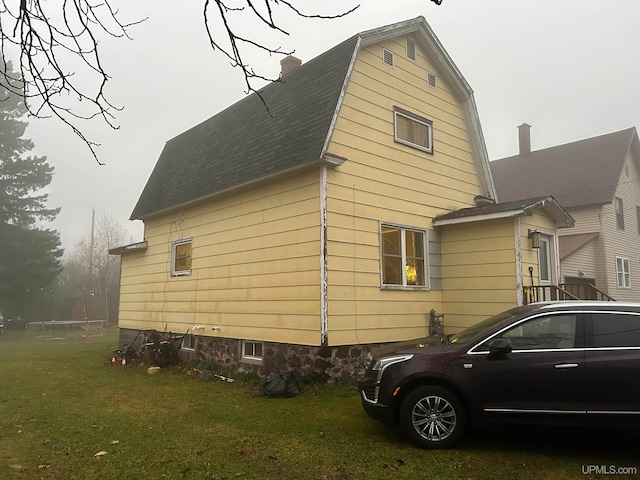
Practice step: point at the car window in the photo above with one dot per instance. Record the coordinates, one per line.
(616, 330)
(541, 333)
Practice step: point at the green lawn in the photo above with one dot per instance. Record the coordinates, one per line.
(62, 402)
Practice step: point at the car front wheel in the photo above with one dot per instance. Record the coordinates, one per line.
(432, 417)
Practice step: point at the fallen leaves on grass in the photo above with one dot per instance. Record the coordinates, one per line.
(101, 453)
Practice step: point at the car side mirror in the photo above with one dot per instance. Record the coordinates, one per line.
(499, 347)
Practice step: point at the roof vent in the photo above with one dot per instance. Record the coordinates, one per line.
(288, 64)
(431, 79)
(387, 57)
(411, 49)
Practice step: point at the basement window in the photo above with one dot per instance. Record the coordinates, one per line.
(188, 342)
(252, 350)
(403, 261)
(181, 258)
(413, 130)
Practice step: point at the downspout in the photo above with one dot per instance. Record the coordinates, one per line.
(324, 301)
(518, 246)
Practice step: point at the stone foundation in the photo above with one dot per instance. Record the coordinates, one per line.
(328, 364)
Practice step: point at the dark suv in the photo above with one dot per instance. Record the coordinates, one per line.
(574, 363)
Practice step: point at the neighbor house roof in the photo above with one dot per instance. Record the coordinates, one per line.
(516, 208)
(580, 173)
(245, 144)
(569, 244)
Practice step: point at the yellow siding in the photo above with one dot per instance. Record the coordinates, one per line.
(385, 181)
(479, 271)
(255, 268)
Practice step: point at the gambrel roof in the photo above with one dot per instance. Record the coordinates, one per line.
(581, 173)
(245, 144)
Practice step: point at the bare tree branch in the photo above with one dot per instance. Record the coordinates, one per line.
(48, 37)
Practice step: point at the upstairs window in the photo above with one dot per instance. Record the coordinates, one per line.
(403, 259)
(623, 276)
(619, 213)
(413, 130)
(181, 257)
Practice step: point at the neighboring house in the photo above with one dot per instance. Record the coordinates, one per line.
(597, 181)
(300, 238)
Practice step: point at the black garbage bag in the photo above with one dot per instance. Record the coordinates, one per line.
(281, 385)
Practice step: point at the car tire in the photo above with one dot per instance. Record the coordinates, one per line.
(433, 417)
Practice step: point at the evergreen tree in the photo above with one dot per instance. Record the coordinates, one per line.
(29, 256)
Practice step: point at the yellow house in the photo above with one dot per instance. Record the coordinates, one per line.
(301, 237)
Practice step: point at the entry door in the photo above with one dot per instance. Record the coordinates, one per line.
(546, 261)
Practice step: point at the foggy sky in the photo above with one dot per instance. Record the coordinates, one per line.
(569, 68)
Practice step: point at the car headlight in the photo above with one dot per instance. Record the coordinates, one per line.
(381, 364)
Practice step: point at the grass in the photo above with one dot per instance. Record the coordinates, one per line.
(62, 402)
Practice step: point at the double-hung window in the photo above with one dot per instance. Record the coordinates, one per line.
(181, 257)
(413, 130)
(403, 256)
(622, 272)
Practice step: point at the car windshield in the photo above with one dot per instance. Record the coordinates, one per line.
(480, 328)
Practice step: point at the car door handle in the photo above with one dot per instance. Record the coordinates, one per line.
(566, 365)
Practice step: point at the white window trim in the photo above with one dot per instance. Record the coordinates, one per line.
(425, 239)
(252, 357)
(174, 246)
(414, 118)
(625, 272)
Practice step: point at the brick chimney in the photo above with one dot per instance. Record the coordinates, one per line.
(288, 64)
(524, 138)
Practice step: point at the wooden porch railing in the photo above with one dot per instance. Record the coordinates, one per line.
(586, 291)
(542, 293)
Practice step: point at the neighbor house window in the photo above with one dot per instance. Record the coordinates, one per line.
(403, 258)
(622, 272)
(181, 257)
(252, 350)
(413, 130)
(638, 218)
(619, 213)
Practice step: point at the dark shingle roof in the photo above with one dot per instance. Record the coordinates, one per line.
(581, 173)
(244, 143)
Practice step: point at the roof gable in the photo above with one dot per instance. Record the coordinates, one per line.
(580, 173)
(243, 144)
